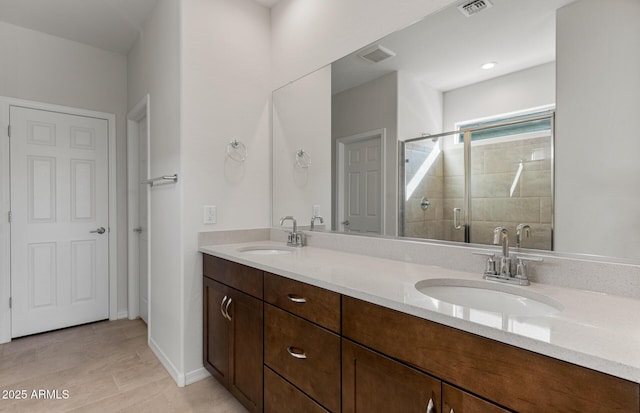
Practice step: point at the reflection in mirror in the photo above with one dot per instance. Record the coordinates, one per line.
(431, 82)
(417, 82)
(499, 171)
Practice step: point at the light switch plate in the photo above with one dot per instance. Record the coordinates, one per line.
(210, 214)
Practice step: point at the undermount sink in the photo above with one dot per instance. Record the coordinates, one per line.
(487, 296)
(266, 250)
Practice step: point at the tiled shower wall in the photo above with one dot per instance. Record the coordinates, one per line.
(494, 168)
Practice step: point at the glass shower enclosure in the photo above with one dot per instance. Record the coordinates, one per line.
(460, 185)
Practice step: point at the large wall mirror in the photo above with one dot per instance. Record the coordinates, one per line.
(517, 116)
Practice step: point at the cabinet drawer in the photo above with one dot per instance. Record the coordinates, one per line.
(282, 397)
(243, 278)
(517, 379)
(303, 353)
(312, 303)
(457, 401)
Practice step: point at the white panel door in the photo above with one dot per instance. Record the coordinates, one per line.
(59, 205)
(143, 224)
(363, 180)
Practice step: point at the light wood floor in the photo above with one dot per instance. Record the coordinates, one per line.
(105, 367)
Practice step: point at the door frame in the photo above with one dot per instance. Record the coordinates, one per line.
(340, 158)
(139, 112)
(5, 205)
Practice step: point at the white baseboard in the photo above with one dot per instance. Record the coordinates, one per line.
(123, 314)
(196, 375)
(168, 365)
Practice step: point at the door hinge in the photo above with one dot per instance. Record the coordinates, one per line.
(9, 130)
(9, 216)
(10, 302)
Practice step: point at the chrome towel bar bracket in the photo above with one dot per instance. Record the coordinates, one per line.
(172, 178)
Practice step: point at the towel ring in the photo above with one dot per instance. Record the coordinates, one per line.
(303, 159)
(237, 151)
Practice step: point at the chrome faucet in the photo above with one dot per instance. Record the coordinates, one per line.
(503, 273)
(501, 237)
(522, 229)
(313, 221)
(294, 238)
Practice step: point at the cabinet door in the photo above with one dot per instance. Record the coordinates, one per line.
(384, 385)
(215, 344)
(245, 349)
(457, 401)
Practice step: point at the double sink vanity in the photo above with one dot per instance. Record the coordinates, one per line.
(319, 330)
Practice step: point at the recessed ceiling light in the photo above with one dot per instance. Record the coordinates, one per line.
(489, 65)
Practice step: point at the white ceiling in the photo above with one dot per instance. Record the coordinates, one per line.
(446, 50)
(107, 24)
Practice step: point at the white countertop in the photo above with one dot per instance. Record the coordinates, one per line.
(593, 330)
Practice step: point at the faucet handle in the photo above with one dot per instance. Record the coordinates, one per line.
(490, 268)
(521, 267)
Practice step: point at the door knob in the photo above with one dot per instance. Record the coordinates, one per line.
(100, 230)
(138, 230)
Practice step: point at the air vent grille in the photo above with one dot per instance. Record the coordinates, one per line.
(474, 7)
(376, 54)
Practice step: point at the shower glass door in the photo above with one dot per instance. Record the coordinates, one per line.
(433, 203)
(459, 186)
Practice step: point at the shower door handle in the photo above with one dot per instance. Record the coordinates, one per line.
(456, 218)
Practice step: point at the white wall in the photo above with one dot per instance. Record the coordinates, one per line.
(154, 68)
(225, 95)
(525, 89)
(419, 108)
(39, 67)
(309, 34)
(302, 126)
(597, 145)
(364, 108)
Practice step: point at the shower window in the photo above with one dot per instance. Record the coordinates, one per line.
(491, 131)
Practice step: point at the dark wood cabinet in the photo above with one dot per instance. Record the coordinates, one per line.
(305, 354)
(312, 303)
(233, 341)
(372, 382)
(509, 376)
(216, 331)
(280, 396)
(308, 350)
(458, 401)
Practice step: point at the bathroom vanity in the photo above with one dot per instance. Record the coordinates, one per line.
(303, 330)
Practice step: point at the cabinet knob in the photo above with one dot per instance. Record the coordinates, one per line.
(296, 299)
(296, 352)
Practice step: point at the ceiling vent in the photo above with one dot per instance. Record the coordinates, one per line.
(474, 7)
(376, 54)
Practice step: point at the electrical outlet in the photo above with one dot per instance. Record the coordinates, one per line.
(210, 214)
(315, 211)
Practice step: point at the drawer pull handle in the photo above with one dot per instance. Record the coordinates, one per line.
(222, 306)
(296, 299)
(430, 406)
(226, 309)
(296, 352)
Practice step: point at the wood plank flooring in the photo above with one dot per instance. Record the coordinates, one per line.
(104, 367)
